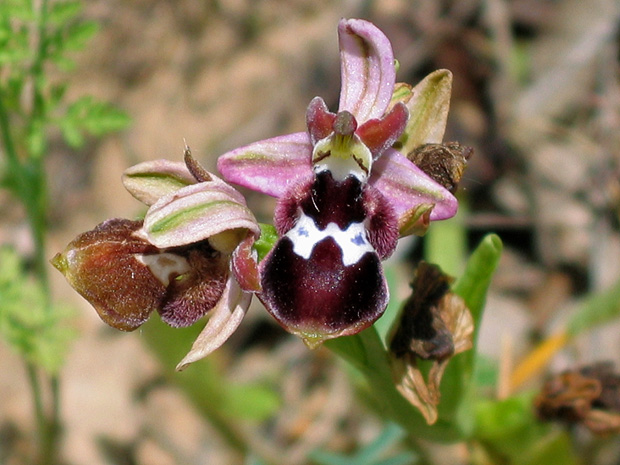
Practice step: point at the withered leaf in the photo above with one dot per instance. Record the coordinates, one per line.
(435, 325)
(444, 163)
(589, 396)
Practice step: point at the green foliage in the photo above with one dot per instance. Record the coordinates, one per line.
(511, 434)
(33, 40)
(64, 31)
(598, 309)
(445, 244)
(472, 286)
(36, 40)
(88, 116)
(42, 337)
(384, 324)
(266, 241)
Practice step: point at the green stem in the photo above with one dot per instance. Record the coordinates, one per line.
(7, 137)
(38, 104)
(47, 427)
(35, 170)
(22, 187)
(28, 184)
(37, 397)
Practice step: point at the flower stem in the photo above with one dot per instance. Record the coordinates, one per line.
(28, 183)
(48, 425)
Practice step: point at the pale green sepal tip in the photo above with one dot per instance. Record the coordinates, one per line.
(428, 110)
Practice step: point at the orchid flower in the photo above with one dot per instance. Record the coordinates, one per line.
(345, 195)
(192, 254)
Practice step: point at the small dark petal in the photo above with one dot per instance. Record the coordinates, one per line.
(444, 163)
(191, 295)
(244, 265)
(435, 325)
(382, 222)
(319, 120)
(320, 297)
(101, 265)
(379, 134)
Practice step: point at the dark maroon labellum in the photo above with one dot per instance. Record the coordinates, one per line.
(324, 278)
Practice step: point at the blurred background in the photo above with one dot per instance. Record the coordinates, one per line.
(536, 93)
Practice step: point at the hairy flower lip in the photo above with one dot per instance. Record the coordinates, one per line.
(98, 265)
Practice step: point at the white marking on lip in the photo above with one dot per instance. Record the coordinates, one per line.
(352, 241)
(165, 265)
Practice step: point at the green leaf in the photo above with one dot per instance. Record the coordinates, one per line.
(599, 309)
(552, 449)
(472, 286)
(373, 452)
(61, 12)
(508, 428)
(14, 55)
(445, 243)
(98, 118)
(367, 352)
(57, 93)
(64, 63)
(40, 334)
(17, 10)
(71, 133)
(35, 139)
(78, 35)
(509, 425)
(486, 373)
(253, 401)
(266, 241)
(88, 116)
